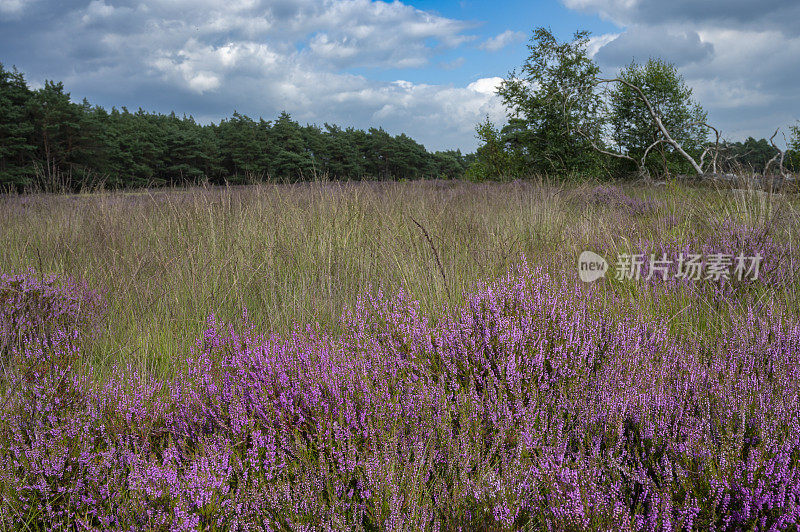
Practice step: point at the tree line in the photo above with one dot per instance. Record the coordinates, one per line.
(565, 118)
(49, 142)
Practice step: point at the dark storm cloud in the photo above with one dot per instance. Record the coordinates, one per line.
(781, 15)
(742, 58)
(642, 43)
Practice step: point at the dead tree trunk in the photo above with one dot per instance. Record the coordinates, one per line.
(657, 120)
(778, 156)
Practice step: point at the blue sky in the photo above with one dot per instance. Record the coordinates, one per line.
(488, 20)
(426, 68)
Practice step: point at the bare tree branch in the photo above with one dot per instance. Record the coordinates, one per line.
(644, 157)
(610, 153)
(657, 119)
(708, 148)
(780, 155)
(703, 156)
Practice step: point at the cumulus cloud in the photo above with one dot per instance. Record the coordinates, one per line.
(598, 41)
(641, 43)
(486, 85)
(209, 57)
(498, 42)
(781, 15)
(12, 8)
(203, 67)
(742, 58)
(374, 34)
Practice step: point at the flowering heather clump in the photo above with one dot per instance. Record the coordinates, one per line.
(34, 306)
(777, 264)
(730, 240)
(531, 407)
(613, 197)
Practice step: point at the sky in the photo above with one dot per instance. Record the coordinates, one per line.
(425, 68)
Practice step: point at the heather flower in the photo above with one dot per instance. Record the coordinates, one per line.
(37, 307)
(613, 197)
(536, 404)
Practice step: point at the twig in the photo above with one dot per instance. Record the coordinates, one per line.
(605, 152)
(708, 148)
(657, 119)
(776, 156)
(435, 255)
(642, 164)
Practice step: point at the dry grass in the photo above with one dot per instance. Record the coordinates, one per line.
(296, 254)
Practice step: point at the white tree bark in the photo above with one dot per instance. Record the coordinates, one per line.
(780, 155)
(657, 119)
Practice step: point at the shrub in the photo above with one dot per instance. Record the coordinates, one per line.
(533, 406)
(34, 306)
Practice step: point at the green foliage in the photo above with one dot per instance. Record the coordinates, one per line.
(338, 151)
(496, 159)
(62, 147)
(556, 106)
(793, 153)
(632, 126)
(565, 120)
(449, 164)
(245, 148)
(751, 155)
(16, 131)
(50, 143)
(291, 159)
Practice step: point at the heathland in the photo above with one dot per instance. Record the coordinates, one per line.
(399, 356)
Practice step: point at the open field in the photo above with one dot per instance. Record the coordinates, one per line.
(166, 260)
(497, 391)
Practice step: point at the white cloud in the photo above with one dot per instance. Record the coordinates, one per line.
(13, 8)
(640, 43)
(485, 85)
(598, 41)
(438, 116)
(335, 34)
(97, 9)
(615, 10)
(498, 42)
(741, 58)
(203, 68)
(781, 15)
(259, 57)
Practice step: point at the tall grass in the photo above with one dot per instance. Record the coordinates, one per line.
(167, 259)
(491, 392)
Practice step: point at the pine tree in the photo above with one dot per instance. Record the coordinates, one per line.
(292, 160)
(244, 149)
(16, 130)
(57, 136)
(49, 141)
